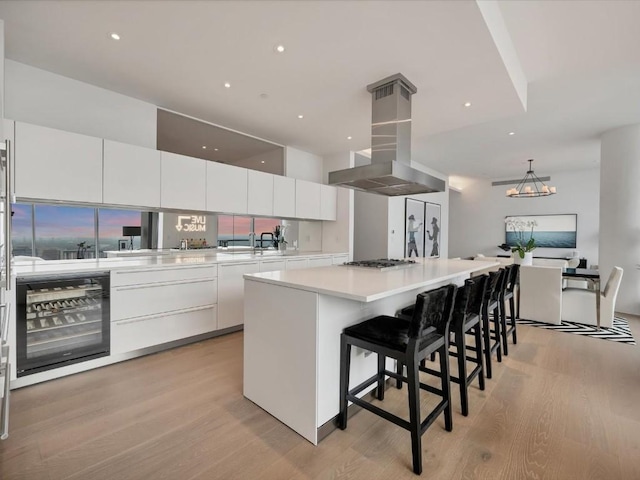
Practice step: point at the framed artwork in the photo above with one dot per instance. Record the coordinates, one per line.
(413, 228)
(549, 231)
(432, 230)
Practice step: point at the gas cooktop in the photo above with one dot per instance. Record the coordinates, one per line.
(382, 264)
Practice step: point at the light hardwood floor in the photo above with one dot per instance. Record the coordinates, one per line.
(559, 407)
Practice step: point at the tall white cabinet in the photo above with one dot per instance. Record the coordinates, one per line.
(307, 199)
(131, 175)
(226, 188)
(57, 165)
(183, 183)
(328, 202)
(260, 199)
(284, 197)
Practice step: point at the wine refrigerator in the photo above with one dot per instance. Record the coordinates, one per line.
(61, 320)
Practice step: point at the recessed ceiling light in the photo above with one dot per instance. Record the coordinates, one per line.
(262, 161)
(279, 48)
(467, 104)
(227, 85)
(115, 36)
(348, 138)
(215, 149)
(300, 116)
(512, 133)
(204, 147)
(264, 96)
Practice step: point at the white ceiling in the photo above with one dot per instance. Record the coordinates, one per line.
(581, 58)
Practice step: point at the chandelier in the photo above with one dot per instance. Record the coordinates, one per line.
(530, 186)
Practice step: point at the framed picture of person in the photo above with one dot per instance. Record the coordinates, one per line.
(413, 228)
(432, 230)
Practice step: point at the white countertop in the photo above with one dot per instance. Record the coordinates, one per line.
(368, 284)
(189, 258)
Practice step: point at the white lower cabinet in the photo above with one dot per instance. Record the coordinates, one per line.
(272, 265)
(295, 263)
(142, 332)
(320, 262)
(151, 299)
(340, 259)
(152, 306)
(231, 292)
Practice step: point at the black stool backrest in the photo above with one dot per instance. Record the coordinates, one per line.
(512, 278)
(494, 285)
(433, 309)
(477, 287)
(461, 303)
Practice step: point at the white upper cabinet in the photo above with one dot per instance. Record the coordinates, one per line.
(284, 197)
(307, 199)
(328, 202)
(131, 175)
(183, 182)
(260, 199)
(56, 165)
(226, 188)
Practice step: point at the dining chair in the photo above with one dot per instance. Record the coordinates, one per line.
(579, 305)
(541, 294)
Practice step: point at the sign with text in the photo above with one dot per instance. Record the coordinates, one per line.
(191, 223)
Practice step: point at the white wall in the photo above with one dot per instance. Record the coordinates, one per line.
(337, 236)
(619, 217)
(309, 236)
(303, 165)
(44, 98)
(477, 214)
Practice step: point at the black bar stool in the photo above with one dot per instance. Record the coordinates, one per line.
(407, 342)
(508, 288)
(467, 313)
(491, 314)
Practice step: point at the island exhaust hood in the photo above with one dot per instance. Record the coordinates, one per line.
(390, 172)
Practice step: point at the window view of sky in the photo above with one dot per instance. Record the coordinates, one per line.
(61, 230)
(237, 229)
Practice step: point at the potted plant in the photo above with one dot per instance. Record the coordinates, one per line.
(525, 243)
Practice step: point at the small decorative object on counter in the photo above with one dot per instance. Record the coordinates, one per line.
(278, 237)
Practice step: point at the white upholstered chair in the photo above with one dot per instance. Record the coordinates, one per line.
(541, 294)
(579, 305)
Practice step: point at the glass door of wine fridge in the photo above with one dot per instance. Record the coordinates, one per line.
(61, 320)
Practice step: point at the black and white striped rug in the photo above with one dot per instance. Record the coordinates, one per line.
(620, 332)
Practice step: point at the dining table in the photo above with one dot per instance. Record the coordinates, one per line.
(592, 276)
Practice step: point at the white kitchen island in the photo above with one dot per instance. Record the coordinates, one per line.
(293, 321)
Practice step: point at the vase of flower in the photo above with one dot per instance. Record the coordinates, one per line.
(526, 260)
(525, 243)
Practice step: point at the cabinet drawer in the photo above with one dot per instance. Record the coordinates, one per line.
(143, 275)
(142, 332)
(272, 265)
(296, 263)
(340, 259)
(141, 300)
(320, 262)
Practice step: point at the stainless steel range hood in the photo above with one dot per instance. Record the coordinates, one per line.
(390, 172)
